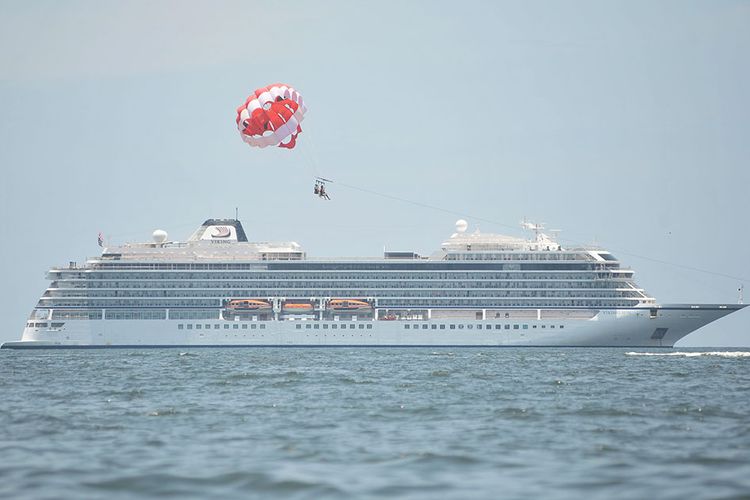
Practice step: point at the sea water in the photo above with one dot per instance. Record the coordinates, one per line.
(375, 423)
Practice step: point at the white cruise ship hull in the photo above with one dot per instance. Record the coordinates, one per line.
(633, 327)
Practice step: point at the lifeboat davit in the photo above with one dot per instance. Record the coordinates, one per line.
(297, 308)
(348, 305)
(248, 305)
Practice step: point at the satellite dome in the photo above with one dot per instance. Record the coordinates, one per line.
(159, 236)
(461, 225)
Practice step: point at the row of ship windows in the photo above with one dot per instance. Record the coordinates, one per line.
(554, 253)
(131, 314)
(509, 303)
(458, 274)
(214, 313)
(348, 292)
(50, 303)
(261, 326)
(217, 288)
(73, 314)
(44, 324)
(430, 275)
(533, 256)
(127, 314)
(470, 326)
(558, 260)
(194, 298)
(147, 314)
(334, 326)
(216, 326)
(382, 302)
(362, 326)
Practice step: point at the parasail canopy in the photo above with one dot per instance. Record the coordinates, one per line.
(271, 116)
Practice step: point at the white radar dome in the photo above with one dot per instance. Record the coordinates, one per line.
(159, 236)
(461, 226)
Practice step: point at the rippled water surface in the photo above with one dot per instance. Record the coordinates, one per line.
(375, 423)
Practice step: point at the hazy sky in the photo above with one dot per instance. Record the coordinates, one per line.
(625, 123)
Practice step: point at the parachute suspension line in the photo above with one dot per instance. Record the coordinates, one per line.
(500, 224)
(312, 151)
(423, 205)
(310, 162)
(682, 266)
(320, 181)
(287, 105)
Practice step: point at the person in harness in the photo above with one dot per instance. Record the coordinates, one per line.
(320, 190)
(323, 193)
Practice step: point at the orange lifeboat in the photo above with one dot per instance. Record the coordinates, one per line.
(348, 305)
(299, 308)
(248, 305)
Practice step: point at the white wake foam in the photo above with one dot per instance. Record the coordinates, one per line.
(719, 354)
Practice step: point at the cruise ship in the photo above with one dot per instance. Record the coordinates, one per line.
(219, 289)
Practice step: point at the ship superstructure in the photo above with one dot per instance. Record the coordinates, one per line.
(217, 288)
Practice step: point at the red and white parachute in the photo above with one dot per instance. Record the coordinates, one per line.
(271, 116)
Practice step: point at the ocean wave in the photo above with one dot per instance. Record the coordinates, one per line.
(352, 380)
(719, 354)
(149, 484)
(161, 412)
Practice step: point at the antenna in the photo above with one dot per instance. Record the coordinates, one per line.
(236, 213)
(533, 226)
(741, 289)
